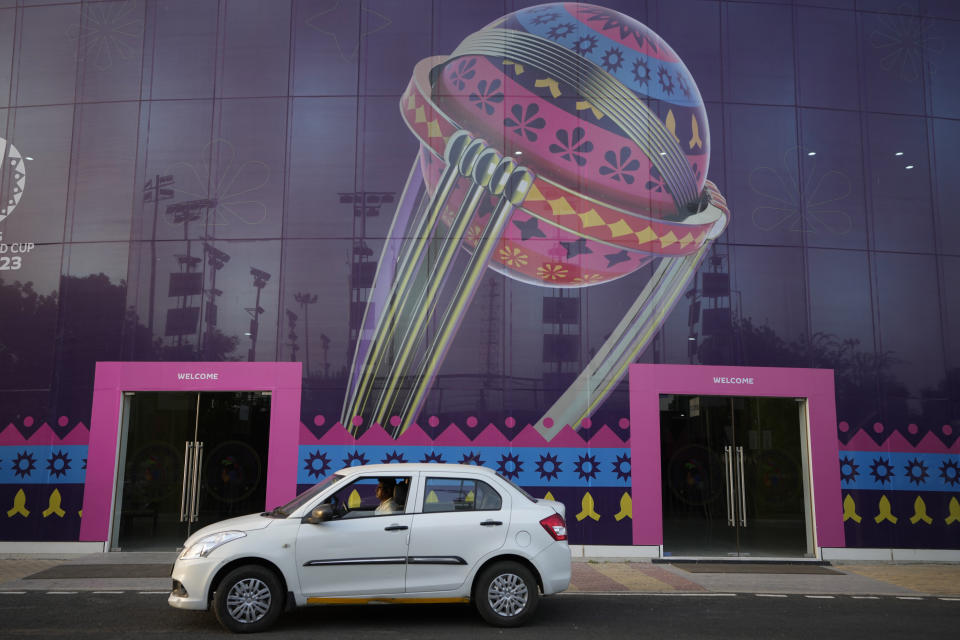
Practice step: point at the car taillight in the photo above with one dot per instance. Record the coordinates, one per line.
(555, 526)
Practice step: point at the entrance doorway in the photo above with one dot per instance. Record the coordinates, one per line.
(734, 477)
(188, 459)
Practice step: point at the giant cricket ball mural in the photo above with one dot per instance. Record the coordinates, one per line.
(563, 145)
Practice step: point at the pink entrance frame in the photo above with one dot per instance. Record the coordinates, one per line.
(649, 381)
(282, 379)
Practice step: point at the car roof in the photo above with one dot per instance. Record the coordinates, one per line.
(411, 467)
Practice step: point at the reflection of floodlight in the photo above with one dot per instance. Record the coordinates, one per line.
(215, 257)
(260, 278)
(188, 211)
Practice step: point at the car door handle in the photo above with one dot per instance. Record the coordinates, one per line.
(396, 527)
(490, 523)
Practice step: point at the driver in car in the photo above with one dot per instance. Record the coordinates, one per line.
(385, 490)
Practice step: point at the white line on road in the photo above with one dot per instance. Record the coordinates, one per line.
(12, 593)
(950, 599)
(865, 597)
(909, 598)
(821, 597)
(61, 593)
(770, 595)
(110, 592)
(694, 594)
(153, 593)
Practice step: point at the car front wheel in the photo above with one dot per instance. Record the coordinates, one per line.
(249, 599)
(506, 594)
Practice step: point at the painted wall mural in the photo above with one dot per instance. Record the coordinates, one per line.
(458, 214)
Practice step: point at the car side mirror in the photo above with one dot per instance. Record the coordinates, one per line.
(322, 513)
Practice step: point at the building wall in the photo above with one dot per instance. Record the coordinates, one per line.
(833, 129)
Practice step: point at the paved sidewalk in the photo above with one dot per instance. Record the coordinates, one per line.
(589, 576)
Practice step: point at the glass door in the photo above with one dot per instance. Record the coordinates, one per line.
(732, 477)
(188, 460)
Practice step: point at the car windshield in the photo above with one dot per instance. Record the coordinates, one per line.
(303, 498)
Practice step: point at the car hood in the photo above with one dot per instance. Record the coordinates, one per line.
(249, 522)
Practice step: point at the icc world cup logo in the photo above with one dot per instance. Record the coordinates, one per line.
(13, 177)
(562, 145)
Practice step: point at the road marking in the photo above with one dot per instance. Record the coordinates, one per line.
(865, 597)
(821, 597)
(153, 593)
(695, 594)
(770, 595)
(909, 598)
(61, 593)
(946, 599)
(12, 593)
(110, 592)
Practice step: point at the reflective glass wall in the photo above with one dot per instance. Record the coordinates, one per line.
(216, 180)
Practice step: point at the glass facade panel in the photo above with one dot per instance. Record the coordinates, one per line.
(104, 164)
(256, 44)
(220, 180)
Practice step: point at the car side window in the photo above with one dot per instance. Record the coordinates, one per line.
(368, 497)
(459, 494)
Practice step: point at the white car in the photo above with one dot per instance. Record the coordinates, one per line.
(395, 533)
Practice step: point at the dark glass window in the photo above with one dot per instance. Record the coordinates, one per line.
(899, 170)
(104, 163)
(831, 161)
(761, 169)
(256, 44)
(458, 494)
(758, 54)
(908, 311)
(827, 58)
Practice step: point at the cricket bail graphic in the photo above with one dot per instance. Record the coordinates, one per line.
(563, 145)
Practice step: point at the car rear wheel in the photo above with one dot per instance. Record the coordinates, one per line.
(249, 599)
(506, 594)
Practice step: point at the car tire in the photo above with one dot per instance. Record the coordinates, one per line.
(249, 599)
(506, 594)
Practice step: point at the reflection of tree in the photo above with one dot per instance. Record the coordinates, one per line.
(861, 375)
(53, 341)
(28, 322)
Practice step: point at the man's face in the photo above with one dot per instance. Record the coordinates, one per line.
(381, 492)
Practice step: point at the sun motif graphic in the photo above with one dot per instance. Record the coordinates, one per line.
(229, 182)
(512, 256)
(108, 32)
(58, 464)
(881, 470)
(549, 467)
(587, 467)
(355, 456)
(848, 470)
(552, 271)
(916, 471)
(950, 472)
(311, 464)
(510, 466)
(622, 467)
(904, 44)
(814, 203)
(393, 456)
(432, 456)
(471, 458)
(24, 465)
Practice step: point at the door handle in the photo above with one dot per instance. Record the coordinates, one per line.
(396, 527)
(728, 481)
(490, 523)
(197, 465)
(187, 479)
(743, 491)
